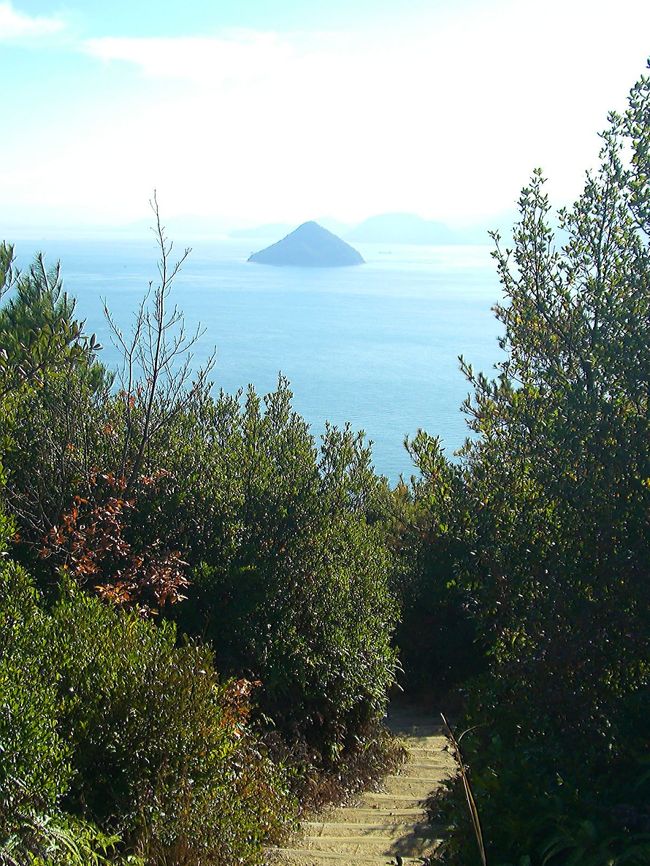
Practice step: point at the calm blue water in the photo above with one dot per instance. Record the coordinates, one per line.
(376, 345)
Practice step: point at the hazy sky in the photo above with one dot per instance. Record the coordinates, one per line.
(251, 111)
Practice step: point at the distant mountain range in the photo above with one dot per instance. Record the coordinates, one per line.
(274, 230)
(268, 230)
(401, 228)
(390, 228)
(387, 228)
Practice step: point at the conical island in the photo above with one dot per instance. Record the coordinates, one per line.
(309, 246)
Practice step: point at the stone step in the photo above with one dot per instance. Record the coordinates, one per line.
(298, 857)
(418, 788)
(366, 828)
(392, 801)
(420, 750)
(429, 758)
(410, 845)
(382, 825)
(421, 737)
(425, 744)
(419, 729)
(407, 731)
(428, 777)
(376, 814)
(410, 778)
(429, 765)
(434, 748)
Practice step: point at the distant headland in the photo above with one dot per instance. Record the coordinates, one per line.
(309, 246)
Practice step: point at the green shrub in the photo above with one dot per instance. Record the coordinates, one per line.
(160, 749)
(437, 636)
(287, 555)
(106, 722)
(537, 803)
(290, 565)
(556, 485)
(34, 759)
(52, 393)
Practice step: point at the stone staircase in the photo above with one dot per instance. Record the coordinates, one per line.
(381, 827)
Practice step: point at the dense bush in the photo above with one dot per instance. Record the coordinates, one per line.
(291, 566)
(35, 754)
(438, 641)
(105, 718)
(160, 750)
(556, 484)
(135, 490)
(541, 801)
(39, 334)
(127, 492)
(35, 768)
(52, 391)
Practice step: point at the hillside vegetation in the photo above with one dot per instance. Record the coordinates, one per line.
(203, 610)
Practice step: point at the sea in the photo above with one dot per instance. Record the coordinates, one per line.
(376, 345)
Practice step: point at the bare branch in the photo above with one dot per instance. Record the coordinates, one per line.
(156, 374)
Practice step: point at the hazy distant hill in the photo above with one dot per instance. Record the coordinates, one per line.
(270, 230)
(310, 245)
(408, 228)
(395, 228)
(274, 230)
(401, 228)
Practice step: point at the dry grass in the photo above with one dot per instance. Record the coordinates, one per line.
(361, 768)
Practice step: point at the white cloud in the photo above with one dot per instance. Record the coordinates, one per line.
(239, 56)
(445, 117)
(17, 25)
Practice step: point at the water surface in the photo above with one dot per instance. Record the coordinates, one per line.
(376, 345)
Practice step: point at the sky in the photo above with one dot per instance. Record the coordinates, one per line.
(251, 111)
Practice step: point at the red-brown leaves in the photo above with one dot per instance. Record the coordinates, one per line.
(236, 702)
(94, 543)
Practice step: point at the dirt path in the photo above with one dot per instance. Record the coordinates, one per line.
(379, 827)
